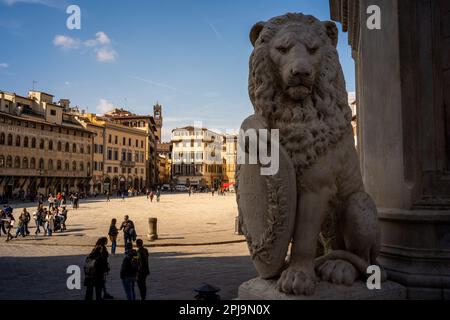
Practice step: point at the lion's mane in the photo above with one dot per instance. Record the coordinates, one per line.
(308, 129)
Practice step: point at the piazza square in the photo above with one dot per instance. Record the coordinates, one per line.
(236, 151)
(197, 244)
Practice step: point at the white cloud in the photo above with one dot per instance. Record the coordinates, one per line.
(106, 55)
(101, 38)
(66, 42)
(104, 106)
(101, 45)
(67, 83)
(48, 3)
(4, 65)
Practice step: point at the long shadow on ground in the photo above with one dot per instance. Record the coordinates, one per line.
(173, 276)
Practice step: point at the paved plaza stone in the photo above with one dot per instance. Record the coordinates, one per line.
(182, 220)
(184, 258)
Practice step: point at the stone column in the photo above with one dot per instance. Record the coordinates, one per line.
(152, 229)
(404, 136)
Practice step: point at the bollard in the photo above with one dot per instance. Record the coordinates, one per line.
(152, 229)
(237, 227)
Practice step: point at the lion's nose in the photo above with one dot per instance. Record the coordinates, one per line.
(300, 71)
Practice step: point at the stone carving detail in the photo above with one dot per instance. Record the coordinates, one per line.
(296, 85)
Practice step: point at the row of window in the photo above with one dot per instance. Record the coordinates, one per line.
(33, 125)
(126, 156)
(98, 148)
(124, 141)
(31, 163)
(124, 170)
(193, 169)
(32, 143)
(98, 166)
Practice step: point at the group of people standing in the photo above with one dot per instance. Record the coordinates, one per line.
(61, 200)
(151, 195)
(50, 220)
(134, 268)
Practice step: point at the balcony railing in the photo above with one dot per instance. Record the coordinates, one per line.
(128, 164)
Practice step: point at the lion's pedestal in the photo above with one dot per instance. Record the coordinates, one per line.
(259, 289)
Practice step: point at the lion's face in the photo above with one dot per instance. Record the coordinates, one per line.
(296, 45)
(297, 56)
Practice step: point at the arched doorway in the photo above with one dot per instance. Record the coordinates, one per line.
(115, 184)
(122, 184)
(107, 184)
(136, 183)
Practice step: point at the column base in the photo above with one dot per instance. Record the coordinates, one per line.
(416, 251)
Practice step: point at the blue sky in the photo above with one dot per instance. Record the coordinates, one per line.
(190, 55)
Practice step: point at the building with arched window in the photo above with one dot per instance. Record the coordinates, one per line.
(33, 133)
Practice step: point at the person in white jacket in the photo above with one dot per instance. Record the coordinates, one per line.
(50, 219)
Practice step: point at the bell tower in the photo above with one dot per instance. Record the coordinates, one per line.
(157, 115)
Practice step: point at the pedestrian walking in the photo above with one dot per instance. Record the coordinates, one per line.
(108, 196)
(95, 269)
(144, 270)
(37, 220)
(59, 200)
(63, 214)
(2, 223)
(112, 233)
(9, 222)
(51, 202)
(152, 195)
(76, 199)
(158, 195)
(129, 232)
(129, 271)
(50, 222)
(20, 231)
(26, 221)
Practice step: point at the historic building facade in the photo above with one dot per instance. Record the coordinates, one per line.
(43, 149)
(164, 151)
(197, 157)
(119, 159)
(230, 145)
(147, 125)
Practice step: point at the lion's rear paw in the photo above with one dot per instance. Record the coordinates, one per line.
(297, 280)
(338, 272)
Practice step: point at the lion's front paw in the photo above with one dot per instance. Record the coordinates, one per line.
(298, 280)
(338, 272)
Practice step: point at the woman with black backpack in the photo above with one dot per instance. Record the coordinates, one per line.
(95, 269)
(129, 271)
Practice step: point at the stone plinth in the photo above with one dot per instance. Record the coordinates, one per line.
(416, 251)
(259, 289)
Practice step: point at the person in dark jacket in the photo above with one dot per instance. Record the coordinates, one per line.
(128, 229)
(96, 268)
(144, 270)
(112, 233)
(129, 271)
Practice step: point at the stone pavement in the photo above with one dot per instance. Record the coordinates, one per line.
(197, 244)
(182, 220)
(39, 272)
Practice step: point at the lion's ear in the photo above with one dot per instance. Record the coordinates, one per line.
(256, 30)
(332, 32)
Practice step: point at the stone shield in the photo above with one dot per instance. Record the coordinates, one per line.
(267, 208)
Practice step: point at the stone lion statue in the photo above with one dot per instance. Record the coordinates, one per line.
(313, 219)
